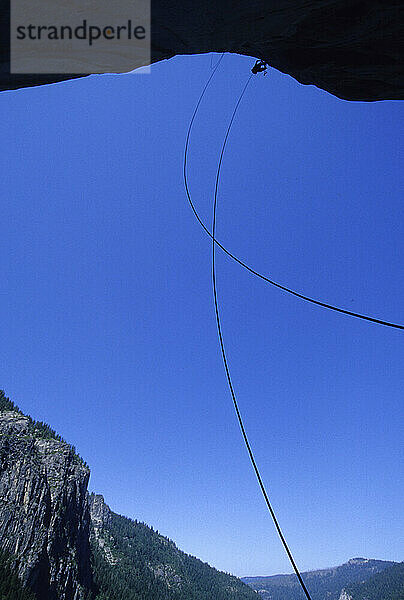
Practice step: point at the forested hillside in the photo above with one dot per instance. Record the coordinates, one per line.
(387, 585)
(324, 584)
(134, 562)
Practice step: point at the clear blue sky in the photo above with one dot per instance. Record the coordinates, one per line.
(107, 322)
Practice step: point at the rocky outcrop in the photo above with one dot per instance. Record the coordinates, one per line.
(351, 48)
(100, 520)
(44, 514)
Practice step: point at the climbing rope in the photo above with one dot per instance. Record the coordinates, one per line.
(225, 362)
(238, 260)
(260, 66)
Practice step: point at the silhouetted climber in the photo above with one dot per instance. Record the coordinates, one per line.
(259, 67)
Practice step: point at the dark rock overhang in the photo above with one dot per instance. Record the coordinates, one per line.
(349, 48)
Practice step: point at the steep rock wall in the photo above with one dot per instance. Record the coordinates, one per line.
(44, 514)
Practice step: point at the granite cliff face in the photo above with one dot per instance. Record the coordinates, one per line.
(351, 48)
(44, 514)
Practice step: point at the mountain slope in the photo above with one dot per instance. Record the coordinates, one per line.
(51, 546)
(387, 585)
(324, 584)
(134, 562)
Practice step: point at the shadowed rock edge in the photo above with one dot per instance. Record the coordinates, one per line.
(349, 48)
